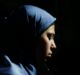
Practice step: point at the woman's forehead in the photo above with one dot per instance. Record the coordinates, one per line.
(51, 29)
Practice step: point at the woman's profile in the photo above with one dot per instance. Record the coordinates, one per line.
(29, 42)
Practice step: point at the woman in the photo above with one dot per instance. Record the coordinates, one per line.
(29, 42)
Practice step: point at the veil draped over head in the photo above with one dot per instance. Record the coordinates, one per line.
(21, 31)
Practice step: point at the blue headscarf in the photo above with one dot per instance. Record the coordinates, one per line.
(34, 18)
(42, 19)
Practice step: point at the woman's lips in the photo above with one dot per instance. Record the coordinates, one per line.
(49, 55)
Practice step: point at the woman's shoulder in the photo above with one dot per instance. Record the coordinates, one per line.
(10, 68)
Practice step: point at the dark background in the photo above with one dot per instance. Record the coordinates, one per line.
(65, 28)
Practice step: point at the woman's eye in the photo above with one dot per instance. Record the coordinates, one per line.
(50, 36)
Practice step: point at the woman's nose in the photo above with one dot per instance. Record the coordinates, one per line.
(53, 45)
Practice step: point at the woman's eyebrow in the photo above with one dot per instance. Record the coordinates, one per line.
(50, 33)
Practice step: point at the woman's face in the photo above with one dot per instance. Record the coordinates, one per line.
(47, 42)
